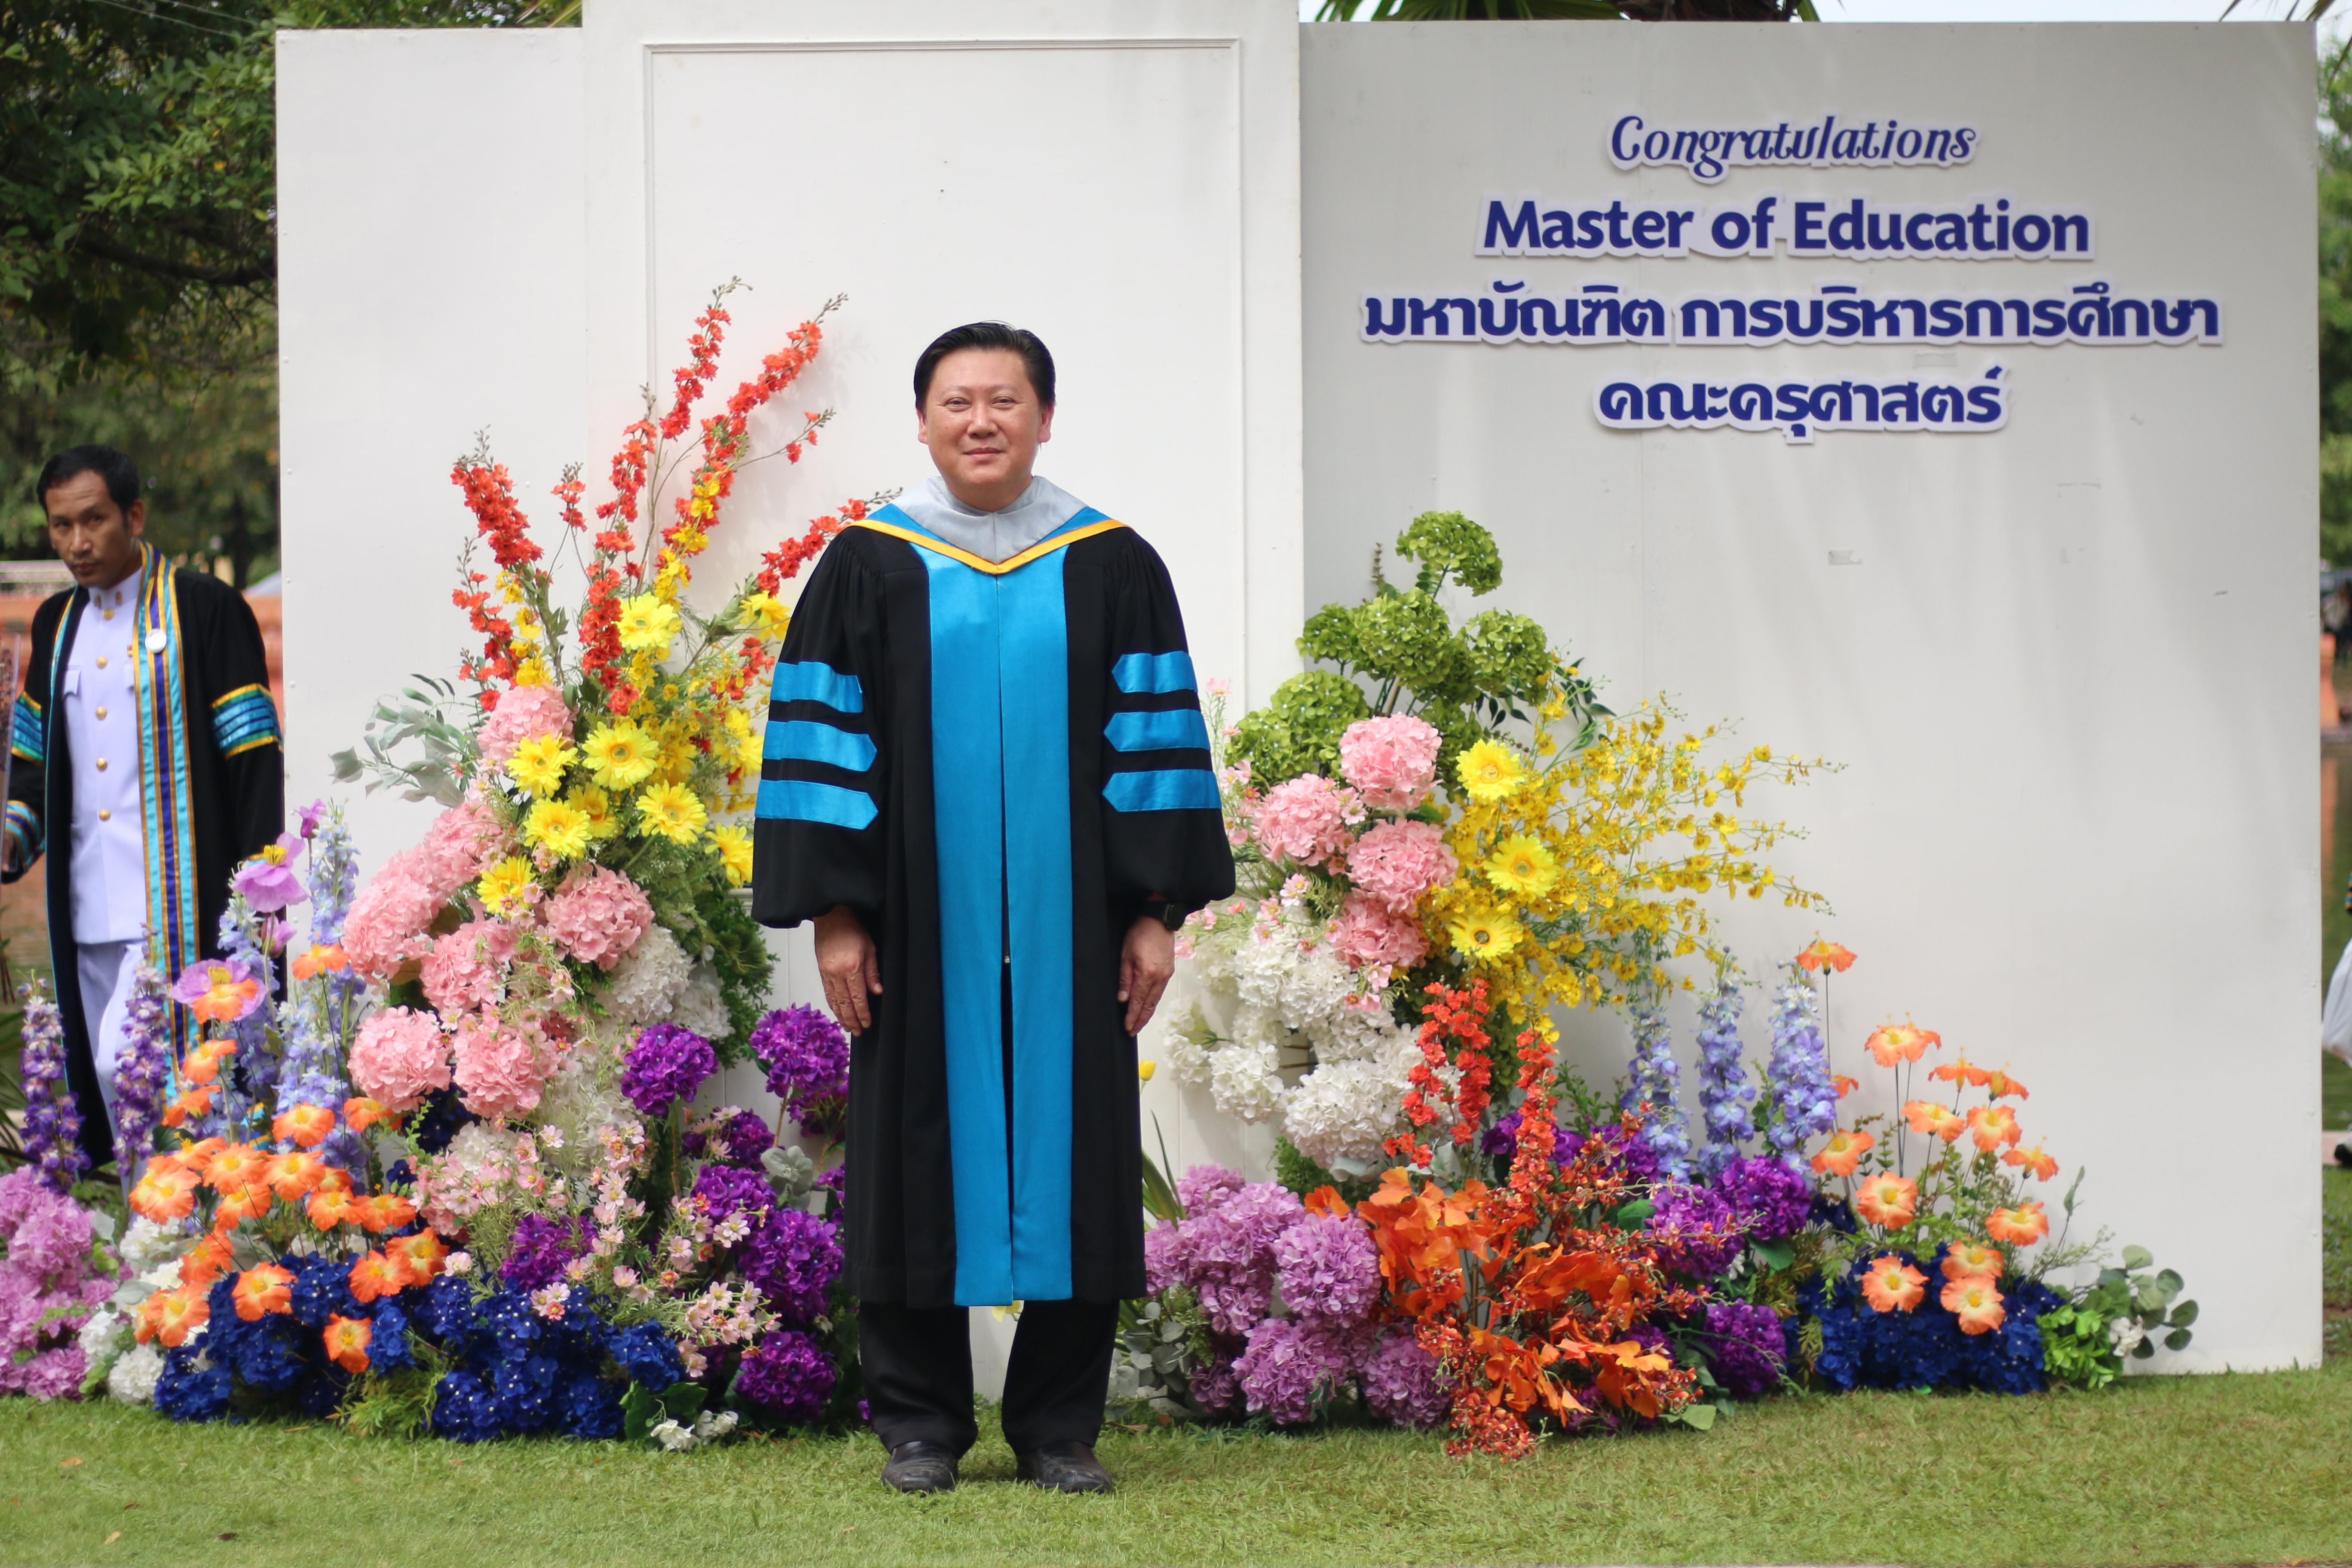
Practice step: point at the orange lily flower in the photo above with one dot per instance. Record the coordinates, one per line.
(1843, 1085)
(1888, 1201)
(190, 1102)
(1930, 1117)
(384, 1211)
(320, 958)
(1890, 1284)
(236, 1166)
(205, 1261)
(1960, 1070)
(360, 1113)
(294, 1176)
(2003, 1087)
(1825, 954)
(199, 1155)
(1842, 1152)
(242, 1203)
(376, 1275)
(201, 1068)
(263, 1291)
(1892, 1043)
(305, 1126)
(331, 1207)
(1326, 1200)
(164, 1196)
(1994, 1125)
(420, 1254)
(2020, 1227)
(347, 1342)
(1977, 1302)
(2043, 1166)
(1969, 1259)
(179, 1313)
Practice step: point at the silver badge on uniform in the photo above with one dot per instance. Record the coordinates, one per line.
(155, 639)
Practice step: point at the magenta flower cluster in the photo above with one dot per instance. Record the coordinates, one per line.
(664, 1068)
(53, 1275)
(807, 1058)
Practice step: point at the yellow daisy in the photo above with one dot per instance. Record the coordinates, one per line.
(734, 853)
(649, 625)
(1520, 864)
(559, 827)
(1483, 933)
(505, 887)
(537, 766)
(1490, 771)
(620, 755)
(597, 808)
(768, 617)
(672, 812)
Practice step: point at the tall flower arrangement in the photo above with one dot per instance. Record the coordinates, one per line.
(52, 1137)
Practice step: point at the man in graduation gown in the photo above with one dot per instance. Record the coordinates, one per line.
(145, 764)
(987, 781)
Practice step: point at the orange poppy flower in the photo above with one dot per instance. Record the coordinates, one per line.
(1994, 1125)
(1968, 1260)
(1890, 1284)
(201, 1068)
(219, 993)
(384, 1211)
(1892, 1043)
(1941, 1121)
(2020, 1227)
(1887, 1201)
(263, 1291)
(1975, 1302)
(164, 1196)
(305, 1126)
(319, 959)
(1825, 954)
(179, 1313)
(238, 1204)
(1842, 1152)
(236, 1166)
(1960, 1069)
(420, 1254)
(347, 1342)
(192, 1102)
(203, 1263)
(360, 1113)
(294, 1175)
(2003, 1087)
(331, 1207)
(1843, 1085)
(2043, 1166)
(199, 1155)
(376, 1275)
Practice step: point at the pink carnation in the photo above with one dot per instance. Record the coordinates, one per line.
(399, 1056)
(1393, 762)
(461, 842)
(1304, 820)
(598, 917)
(526, 713)
(1394, 863)
(1368, 933)
(462, 974)
(384, 927)
(500, 1069)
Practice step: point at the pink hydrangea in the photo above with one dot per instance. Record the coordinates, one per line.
(399, 1056)
(523, 714)
(597, 915)
(49, 1287)
(385, 926)
(1394, 863)
(1393, 760)
(462, 974)
(1368, 933)
(1304, 820)
(461, 842)
(500, 1068)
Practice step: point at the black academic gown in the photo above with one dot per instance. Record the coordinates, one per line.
(992, 765)
(214, 784)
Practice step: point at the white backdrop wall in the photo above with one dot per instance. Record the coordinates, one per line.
(2068, 665)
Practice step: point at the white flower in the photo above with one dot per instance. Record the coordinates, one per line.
(162, 1277)
(700, 1007)
(132, 1378)
(2123, 1335)
(713, 1424)
(1243, 1081)
(647, 984)
(1340, 1113)
(147, 1244)
(102, 1335)
(669, 1433)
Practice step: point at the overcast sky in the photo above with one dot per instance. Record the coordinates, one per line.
(2332, 26)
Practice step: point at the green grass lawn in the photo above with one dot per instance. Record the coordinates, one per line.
(2236, 1469)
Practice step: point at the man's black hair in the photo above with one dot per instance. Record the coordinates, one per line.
(120, 474)
(989, 335)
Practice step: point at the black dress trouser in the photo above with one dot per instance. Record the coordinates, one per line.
(917, 1363)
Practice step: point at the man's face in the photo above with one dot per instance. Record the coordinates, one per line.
(983, 424)
(96, 540)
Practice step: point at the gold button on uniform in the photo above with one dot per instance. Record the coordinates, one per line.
(101, 713)
(102, 765)
(101, 662)
(104, 814)
(106, 614)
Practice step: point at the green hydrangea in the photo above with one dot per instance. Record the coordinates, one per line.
(1447, 543)
(1299, 731)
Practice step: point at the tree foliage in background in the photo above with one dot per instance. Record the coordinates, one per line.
(139, 247)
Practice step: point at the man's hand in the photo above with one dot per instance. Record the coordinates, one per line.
(1146, 960)
(845, 961)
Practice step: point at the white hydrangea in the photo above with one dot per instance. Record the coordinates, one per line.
(701, 1007)
(132, 1378)
(1340, 1113)
(1244, 1084)
(147, 1244)
(1188, 1044)
(103, 1337)
(646, 986)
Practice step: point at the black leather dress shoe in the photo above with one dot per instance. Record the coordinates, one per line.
(920, 1466)
(1063, 1468)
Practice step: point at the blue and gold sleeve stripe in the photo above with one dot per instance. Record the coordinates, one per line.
(28, 735)
(23, 829)
(1158, 742)
(816, 761)
(244, 720)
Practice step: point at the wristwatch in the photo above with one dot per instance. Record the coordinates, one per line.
(1169, 915)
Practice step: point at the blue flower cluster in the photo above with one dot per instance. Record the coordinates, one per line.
(1804, 1101)
(1654, 1079)
(517, 1371)
(280, 1359)
(1925, 1348)
(1723, 1092)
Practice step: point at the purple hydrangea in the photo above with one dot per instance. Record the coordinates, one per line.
(731, 1189)
(1217, 1388)
(740, 1139)
(1224, 1247)
(1404, 1384)
(794, 1259)
(788, 1375)
(1206, 1186)
(1329, 1272)
(1698, 1235)
(1290, 1369)
(1749, 1347)
(1769, 1196)
(664, 1068)
(807, 1058)
(540, 1249)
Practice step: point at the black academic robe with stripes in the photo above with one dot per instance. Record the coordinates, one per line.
(994, 766)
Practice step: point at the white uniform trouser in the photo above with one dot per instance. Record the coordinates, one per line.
(107, 970)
